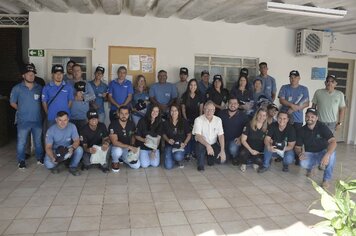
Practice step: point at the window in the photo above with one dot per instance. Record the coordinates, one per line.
(228, 67)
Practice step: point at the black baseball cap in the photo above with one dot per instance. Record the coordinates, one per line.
(80, 86)
(272, 106)
(312, 110)
(294, 73)
(29, 68)
(244, 72)
(92, 113)
(183, 70)
(57, 68)
(100, 69)
(204, 72)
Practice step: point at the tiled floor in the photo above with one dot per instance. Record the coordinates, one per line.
(220, 201)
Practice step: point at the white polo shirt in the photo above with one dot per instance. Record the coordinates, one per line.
(210, 130)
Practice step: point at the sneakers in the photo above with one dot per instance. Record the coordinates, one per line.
(200, 168)
(325, 184)
(235, 162)
(104, 169)
(311, 173)
(55, 170)
(285, 168)
(74, 171)
(243, 167)
(115, 167)
(121, 161)
(85, 167)
(180, 164)
(262, 169)
(22, 165)
(40, 162)
(255, 167)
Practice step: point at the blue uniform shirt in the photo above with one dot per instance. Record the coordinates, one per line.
(99, 90)
(202, 88)
(79, 109)
(163, 93)
(298, 96)
(60, 103)
(61, 137)
(28, 102)
(119, 92)
(268, 86)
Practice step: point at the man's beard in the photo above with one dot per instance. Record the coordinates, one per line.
(31, 82)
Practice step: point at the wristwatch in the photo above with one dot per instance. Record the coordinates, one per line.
(339, 123)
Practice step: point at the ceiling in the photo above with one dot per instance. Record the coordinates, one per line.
(251, 12)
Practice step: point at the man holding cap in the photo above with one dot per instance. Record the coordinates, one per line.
(319, 146)
(100, 90)
(294, 98)
(57, 95)
(94, 139)
(330, 104)
(204, 84)
(26, 99)
(183, 83)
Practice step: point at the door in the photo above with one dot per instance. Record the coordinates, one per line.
(343, 70)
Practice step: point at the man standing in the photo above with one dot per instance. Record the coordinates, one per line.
(163, 93)
(209, 134)
(83, 95)
(94, 138)
(233, 122)
(319, 147)
(294, 98)
(100, 90)
(57, 95)
(120, 92)
(26, 99)
(62, 143)
(330, 104)
(122, 136)
(269, 87)
(183, 83)
(204, 84)
(68, 77)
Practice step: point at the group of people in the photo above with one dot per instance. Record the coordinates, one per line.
(184, 120)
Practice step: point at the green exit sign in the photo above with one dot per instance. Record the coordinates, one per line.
(36, 53)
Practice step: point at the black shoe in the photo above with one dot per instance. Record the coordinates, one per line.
(200, 168)
(74, 171)
(85, 167)
(285, 168)
(104, 169)
(121, 161)
(55, 170)
(235, 162)
(278, 159)
(262, 169)
(27, 156)
(22, 165)
(40, 162)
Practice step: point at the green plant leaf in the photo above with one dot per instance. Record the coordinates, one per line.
(345, 231)
(337, 223)
(324, 214)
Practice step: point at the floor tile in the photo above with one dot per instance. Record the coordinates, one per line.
(235, 227)
(215, 203)
(177, 230)
(32, 212)
(195, 204)
(7, 213)
(172, 218)
(4, 224)
(49, 225)
(143, 220)
(88, 210)
(225, 214)
(85, 223)
(199, 216)
(116, 209)
(116, 232)
(172, 206)
(142, 208)
(250, 212)
(91, 199)
(210, 229)
(115, 222)
(274, 210)
(23, 226)
(61, 211)
(146, 232)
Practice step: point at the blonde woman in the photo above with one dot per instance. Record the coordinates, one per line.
(140, 99)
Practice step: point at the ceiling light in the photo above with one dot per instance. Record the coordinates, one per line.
(305, 10)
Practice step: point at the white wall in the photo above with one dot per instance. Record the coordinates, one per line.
(177, 41)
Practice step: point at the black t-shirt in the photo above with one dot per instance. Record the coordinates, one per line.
(244, 96)
(217, 97)
(192, 105)
(234, 125)
(255, 138)
(144, 128)
(178, 134)
(315, 140)
(287, 135)
(93, 137)
(124, 135)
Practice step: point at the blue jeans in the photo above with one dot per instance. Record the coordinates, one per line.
(121, 153)
(147, 161)
(74, 159)
(170, 157)
(287, 159)
(23, 130)
(190, 148)
(313, 159)
(232, 149)
(102, 117)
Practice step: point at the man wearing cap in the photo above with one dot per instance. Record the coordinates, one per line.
(163, 93)
(294, 97)
(100, 89)
(26, 99)
(269, 87)
(94, 139)
(319, 147)
(63, 134)
(330, 104)
(120, 92)
(209, 134)
(122, 136)
(68, 77)
(183, 82)
(272, 111)
(83, 95)
(57, 95)
(204, 84)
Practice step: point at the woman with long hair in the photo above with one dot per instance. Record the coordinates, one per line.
(252, 140)
(241, 90)
(218, 94)
(140, 99)
(148, 136)
(176, 134)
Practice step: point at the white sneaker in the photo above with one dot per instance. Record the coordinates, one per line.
(255, 167)
(243, 167)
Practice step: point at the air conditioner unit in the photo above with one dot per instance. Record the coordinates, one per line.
(312, 42)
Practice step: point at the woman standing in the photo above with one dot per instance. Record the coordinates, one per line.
(252, 140)
(176, 135)
(218, 94)
(148, 135)
(140, 99)
(243, 94)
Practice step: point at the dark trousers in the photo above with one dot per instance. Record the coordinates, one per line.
(200, 151)
(297, 126)
(87, 155)
(79, 123)
(245, 157)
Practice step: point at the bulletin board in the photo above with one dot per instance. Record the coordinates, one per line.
(137, 60)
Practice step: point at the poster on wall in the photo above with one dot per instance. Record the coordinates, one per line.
(134, 62)
(318, 73)
(147, 64)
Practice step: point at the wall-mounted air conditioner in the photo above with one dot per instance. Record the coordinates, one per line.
(312, 42)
